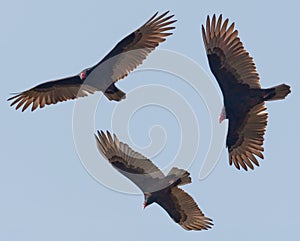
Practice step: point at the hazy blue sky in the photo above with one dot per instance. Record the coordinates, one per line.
(47, 194)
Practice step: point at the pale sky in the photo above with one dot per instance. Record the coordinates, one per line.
(48, 194)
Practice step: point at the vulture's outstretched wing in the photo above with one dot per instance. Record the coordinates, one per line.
(236, 74)
(133, 49)
(183, 210)
(52, 92)
(131, 164)
(230, 63)
(123, 58)
(245, 139)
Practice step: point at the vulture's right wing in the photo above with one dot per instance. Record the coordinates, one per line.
(230, 63)
(131, 164)
(133, 49)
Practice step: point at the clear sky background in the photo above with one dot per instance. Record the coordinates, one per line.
(47, 194)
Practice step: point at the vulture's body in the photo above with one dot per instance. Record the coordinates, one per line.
(122, 59)
(243, 96)
(154, 184)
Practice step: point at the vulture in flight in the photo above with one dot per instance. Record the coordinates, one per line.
(122, 59)
(243, 97)
(154, 184)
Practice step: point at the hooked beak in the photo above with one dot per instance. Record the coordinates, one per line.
(144, 205)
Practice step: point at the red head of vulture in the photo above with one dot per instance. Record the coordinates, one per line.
(122, 59)
(157, 187)
(243, 97)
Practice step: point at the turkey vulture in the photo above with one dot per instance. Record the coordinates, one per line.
(122, 59)
(243, 96)
(154, 184)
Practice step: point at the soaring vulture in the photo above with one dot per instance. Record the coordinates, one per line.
(243, 96)
(122, 59)
(154, 184)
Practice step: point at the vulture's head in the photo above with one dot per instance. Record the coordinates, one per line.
(83, 74)
(222, 115)
(149, 199)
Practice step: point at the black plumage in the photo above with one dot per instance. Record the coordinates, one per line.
(243, 97)
(117, 64)
(157, 187)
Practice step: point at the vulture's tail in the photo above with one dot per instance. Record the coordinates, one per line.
(113, 93)
(181, 176)
(278, 92)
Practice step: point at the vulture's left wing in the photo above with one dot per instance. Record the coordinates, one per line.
(52, 92)
(184, 210)
(245, 139)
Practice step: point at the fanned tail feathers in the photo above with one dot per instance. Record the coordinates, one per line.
(181, 175)
(113, 93)
(279, 92)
